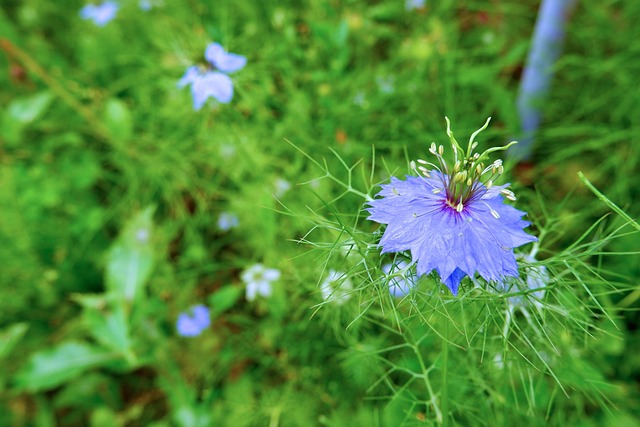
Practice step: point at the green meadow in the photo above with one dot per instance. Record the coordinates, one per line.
(164, 263)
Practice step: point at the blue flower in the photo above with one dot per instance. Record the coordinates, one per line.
(227, 221)
(192, 323)
(414, 4)
(146, 5)
(453, 219)
(213, 80)
(100, 14)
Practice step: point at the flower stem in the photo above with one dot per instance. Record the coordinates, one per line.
(30, 64)
(445, 380)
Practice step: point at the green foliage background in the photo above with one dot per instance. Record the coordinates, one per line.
(97, 143)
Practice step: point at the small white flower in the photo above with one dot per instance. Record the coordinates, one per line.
(258, 279)
(142, 235)
(336, 287)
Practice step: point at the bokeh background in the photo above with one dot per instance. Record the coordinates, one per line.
(122, 208)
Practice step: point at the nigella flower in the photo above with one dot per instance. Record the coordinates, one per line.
(100, 14)
(401, 280)
(213, 81)
(258, 279)
(453, 219)
(336, 287)
(193, 322)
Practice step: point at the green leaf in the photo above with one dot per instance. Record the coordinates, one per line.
(118, 120)
(224, 299)
(10, 336)
(131, 258)
(108, 326)
(26, 110)
(21, 112)
(53, 367)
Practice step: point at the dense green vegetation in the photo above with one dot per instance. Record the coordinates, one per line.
(123, 208)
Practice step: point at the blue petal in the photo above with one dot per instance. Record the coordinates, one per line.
(223, 61)
(453, 281)
(189, 76)
(217, 85)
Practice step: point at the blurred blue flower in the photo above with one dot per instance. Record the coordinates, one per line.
(258, 279)
(227, 221)
(145, 5)
(100, 14)
(400, 286)
(453, 220)
(281, 187)
(213, 80)
(193, 322)
(414, 4)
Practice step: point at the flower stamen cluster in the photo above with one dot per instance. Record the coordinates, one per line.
(468, 179)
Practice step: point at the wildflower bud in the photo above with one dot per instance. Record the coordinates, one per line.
(459, 207)
(501, 170)
(456, 166)
(441, 150)
(432, 148)
(474, 145)
(412, 165)
(489, 184)
(469, 182)
(460, 176)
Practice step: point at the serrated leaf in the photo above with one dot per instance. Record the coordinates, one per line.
(53, 367)
(131, 258)
(10, 336)
(224, 299)
(118, 119)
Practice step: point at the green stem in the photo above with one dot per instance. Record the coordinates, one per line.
(56, 87)
(445, 375)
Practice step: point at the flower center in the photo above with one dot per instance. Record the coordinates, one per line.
(468, 179)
